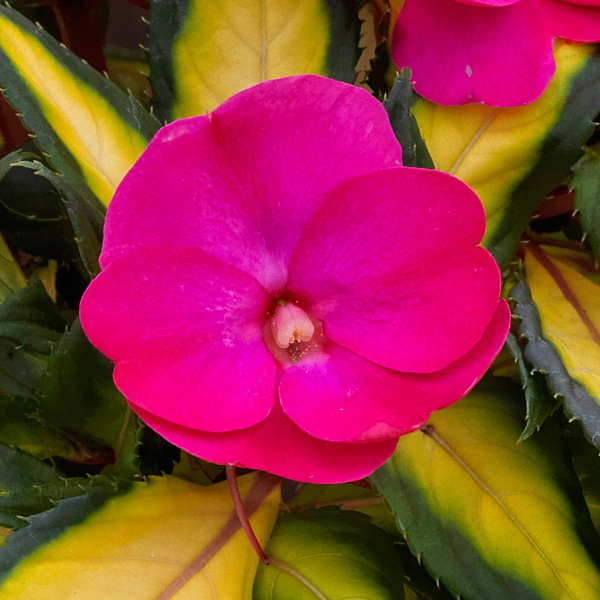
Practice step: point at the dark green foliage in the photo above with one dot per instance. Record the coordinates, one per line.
(586, 183)
(30, 328)
(540, 402)
(578, 403)
(85, 214)
(43, 528)
(29, 486)
(398, 106)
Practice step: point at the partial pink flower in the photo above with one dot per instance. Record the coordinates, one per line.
(279, 293)
(498, 52)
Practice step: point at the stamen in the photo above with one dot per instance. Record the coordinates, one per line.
(291, 325)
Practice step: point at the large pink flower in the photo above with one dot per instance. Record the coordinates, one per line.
(498, 52)
(279, 293)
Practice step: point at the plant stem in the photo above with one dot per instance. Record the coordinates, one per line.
(241, 513)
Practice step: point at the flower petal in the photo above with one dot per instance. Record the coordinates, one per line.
(186, 332)
(577, 21)
(242, 182)
(352, 398)
(581, 2)
(500, 56)
(389, 264)
(278, 446)
(488, 2)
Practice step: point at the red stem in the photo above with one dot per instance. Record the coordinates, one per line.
(241, 513)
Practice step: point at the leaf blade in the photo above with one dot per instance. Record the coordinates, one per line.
(560, 317)
(329, 554)
(92, 131)
(481, 518)
(204, 52)
(189, 534)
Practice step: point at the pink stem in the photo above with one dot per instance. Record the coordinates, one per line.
(241, 513)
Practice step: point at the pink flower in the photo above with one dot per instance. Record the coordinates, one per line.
(279, 293)
(498, 52)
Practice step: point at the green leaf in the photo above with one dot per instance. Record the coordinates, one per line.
(398, 105)
(347, 497)
(86, 217)
(30, 327)
(540, 402)
(22, 427)
(161, 539)
(29, 486)
(11, 276)
(20, 473)
(91, 130)
(416, 578)
(204, 51)
(512, 157)
(587, 466)
(194, 469)
(559, 310)
(79, 394)
(586, 183)
(331, 555)
(490, 517)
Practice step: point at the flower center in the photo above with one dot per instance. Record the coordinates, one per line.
(290, 325)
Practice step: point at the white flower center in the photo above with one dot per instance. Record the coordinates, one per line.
(290, 325)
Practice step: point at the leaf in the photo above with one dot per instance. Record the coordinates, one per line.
(560, 312)
(416, 578)
(129, 70)
(331, 555)
(79, 394)
(29, 486)
(20, 473)
(4, 533)
(540, 403)
(587, 466)
(87, 219)
(204, 51)
(492, 518)
(91, 130)
(162, 539)
(399, 108)
(22, 427)
(194, 469)
(512, 157)
(11, 276)
(586, 183)
(30, 327)
(47, 276)
(347, 497)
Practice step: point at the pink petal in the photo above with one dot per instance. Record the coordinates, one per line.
(352, 398)
(389, 264)
(458, 53)
(242, 182)
(581, 2)
(278, 446)
(577, 21)
(488, 2)
(186, 332)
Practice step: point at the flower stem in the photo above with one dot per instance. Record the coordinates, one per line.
(241, 513)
